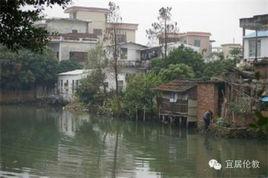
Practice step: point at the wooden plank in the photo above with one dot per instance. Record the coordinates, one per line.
(192, 110)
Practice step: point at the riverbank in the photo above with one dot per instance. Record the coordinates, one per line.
(233, 132)
(214, 131)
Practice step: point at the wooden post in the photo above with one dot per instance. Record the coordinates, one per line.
(143, 113)
(136, 113)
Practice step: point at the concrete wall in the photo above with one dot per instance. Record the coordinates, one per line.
(133, 53)
(207, 99)
(204, 42)
(65, 47)
(66, 87)
(226, 49)
(131, 35)
(98, 18)
(66, 26)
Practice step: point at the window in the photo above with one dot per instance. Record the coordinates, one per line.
(173, 97)
(97, 32)
(73, 86)
(121, 38)
(74, 31)
(197, 43)
(61, 85)
(57, 54)
(120, 85)
(66, 85)
(251, 46)
(123, 53)
(80, 57)
(77, 84)
(106, 85)
(74, 15)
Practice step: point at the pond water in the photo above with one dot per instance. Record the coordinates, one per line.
(46, 142)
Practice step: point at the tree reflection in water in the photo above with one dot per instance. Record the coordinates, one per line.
(56, 143)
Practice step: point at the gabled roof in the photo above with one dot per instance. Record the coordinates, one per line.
(176, 86)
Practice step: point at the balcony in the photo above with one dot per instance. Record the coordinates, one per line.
(133, 64)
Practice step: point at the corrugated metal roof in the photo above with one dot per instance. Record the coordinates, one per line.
(75, 72)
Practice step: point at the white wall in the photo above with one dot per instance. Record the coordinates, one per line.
(264, 48)
(133, 53)
(67, 91)
(98, 18)
(66, 26)
(79, 46)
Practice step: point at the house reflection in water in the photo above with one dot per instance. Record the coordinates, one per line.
(69, 122)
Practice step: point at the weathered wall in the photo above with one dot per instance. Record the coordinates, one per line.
(204, 42)
(74, 46)
(98, 18)
(21, 96)
(207, 99)
(66, 26)
(131, 35)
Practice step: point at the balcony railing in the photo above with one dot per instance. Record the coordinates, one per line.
(134, 64)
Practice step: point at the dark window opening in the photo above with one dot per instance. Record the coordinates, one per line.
(97, 32)
(80, 57)
(74, 31)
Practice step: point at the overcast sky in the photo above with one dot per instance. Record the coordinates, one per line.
(219, 17)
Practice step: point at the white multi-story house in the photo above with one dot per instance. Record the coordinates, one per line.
(73, 37)
(250, 46)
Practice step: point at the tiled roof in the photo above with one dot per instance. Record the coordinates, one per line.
(176, 86)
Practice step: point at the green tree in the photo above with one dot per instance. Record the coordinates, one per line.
(181, 55)
(67, 65)
(112, 35)
(17, 28)
(216, 68)
(26, 69)
(97, 57)
(92, 89)
(261, 124)
(161, 29)
(139, 95)
(176, 71)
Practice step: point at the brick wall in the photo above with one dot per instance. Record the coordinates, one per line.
(207, 99)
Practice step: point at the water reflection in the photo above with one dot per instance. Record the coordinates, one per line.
(55, 143)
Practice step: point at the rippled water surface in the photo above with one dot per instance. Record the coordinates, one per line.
(46, 142)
